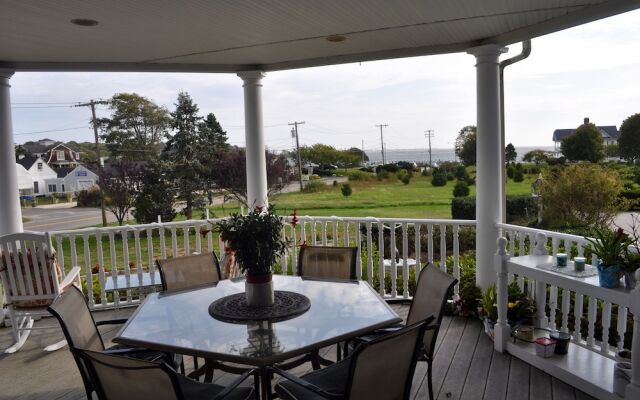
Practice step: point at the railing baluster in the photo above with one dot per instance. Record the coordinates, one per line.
(186, 232)
(443, 247)
(622, 326)
(335, 231)
(101, 276)
(430, 242)
(606, 324)
(152, 261)
(88, 272)
(577, 314)
(74, 251)
(392, 257)
(369, 254)
(521, 239)
(314, 240)
(456, 258)
(163, 245)
(294, 250)
(359, 245)
(114, 267)
(553, 305)
(381, 271)
(139, 270)
(283, 259)
(174, 242)
(591, 318)
(125, 257)
(405, 266)
(323, 227)
(566, 306)
(416, 231)
(60, 253)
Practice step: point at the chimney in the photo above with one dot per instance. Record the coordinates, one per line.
(586, 120)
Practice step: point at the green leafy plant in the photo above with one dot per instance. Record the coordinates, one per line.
(609, 246)
(346, 189)
(520, 307)
(256, 239)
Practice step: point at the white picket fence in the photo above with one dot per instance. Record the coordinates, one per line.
(131, 250)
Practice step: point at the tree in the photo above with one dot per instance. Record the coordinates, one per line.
(510, 154)
(461, 189)
(465, 146)
(20, 150)
(135, 128)
(155, 196)
(211, 136)
(536, 156)
(182, 151)
(228, 170)
(612, 150)
(629, 140)
(580, 195)
(320, 154)
(357, 156)
(119, 182)
(584, 145)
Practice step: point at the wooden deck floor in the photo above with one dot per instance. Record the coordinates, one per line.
(465, 367)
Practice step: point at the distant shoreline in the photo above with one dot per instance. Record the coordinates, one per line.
(437, 155)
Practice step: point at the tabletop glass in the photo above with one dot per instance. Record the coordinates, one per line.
(180, 322)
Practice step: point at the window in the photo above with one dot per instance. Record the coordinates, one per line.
(39, 166)
(63, 188)
(35, 187)
(77, 156)
(52, 188)
(60, 155)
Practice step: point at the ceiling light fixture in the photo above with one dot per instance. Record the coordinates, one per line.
(336, 38)
(84, 22)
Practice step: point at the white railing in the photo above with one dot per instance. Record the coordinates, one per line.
(131, 250)
(566, 299)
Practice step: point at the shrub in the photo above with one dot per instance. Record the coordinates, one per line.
(461, 189)
(314, 186)
(518, 176)
(401, 174)
(367, 169)
(346, 189)
(511, 170)
(387, 167)
(426, 172)
(580, 195)
(89, 198)
(461, 172)
(470, 181)
(335, 183)
(382, 174)
(360, 176)
(324, 172)
(439, 179)
(406, 179)
(450, 177)
(518, 207)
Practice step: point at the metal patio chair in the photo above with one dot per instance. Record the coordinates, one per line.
(31, 280)
(432, 292)
(81, 332)
(116, 377)
(380, 369)
(327, 262)
(187, 272)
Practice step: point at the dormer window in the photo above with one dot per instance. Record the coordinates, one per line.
(60, 155)
(39, 166)
(77, 156)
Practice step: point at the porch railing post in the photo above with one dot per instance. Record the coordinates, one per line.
(254, 137)
(11, 215)
(489, 173)
(633, 388)
(502, 330)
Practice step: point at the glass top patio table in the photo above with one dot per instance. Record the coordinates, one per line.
(180, 322)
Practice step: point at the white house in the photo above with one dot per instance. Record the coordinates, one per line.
(39, 170)
(25, 182)
(71, 180)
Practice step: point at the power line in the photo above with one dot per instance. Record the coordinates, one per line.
(382, 141)
(46, 102)
(42, 106)
(294, 131)
(50, 130)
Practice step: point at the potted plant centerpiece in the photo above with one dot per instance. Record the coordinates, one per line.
(609, 246)
(256, 239)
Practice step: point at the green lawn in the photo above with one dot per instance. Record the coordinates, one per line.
(418, 199)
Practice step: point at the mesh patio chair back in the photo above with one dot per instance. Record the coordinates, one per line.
(190, 271)
(327, 262)
(122, 378)
(384, 368)
(71, 310)
(430, 298)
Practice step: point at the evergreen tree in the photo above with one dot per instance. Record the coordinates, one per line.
(211, 136)
(181, 152)
(629, 141)
(510, 154)
(155, 197)
(465, 146)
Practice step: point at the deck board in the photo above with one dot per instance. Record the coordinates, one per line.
(465, 367)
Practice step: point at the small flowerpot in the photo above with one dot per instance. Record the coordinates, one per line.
(562, 342)
(259, 290)
(622, 373)
(609, 276)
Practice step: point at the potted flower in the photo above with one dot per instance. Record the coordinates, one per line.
(520, 308)
(609, 246)
(256, 239)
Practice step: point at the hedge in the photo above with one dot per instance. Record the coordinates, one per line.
(518, 207)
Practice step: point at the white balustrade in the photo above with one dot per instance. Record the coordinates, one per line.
(132, 250)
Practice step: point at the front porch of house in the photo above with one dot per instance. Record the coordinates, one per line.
(465, 367)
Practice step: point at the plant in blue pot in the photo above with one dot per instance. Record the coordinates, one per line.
(609, 246)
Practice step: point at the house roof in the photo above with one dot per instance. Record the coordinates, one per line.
(230, 36)
(27, 161)
(36, 148)
(608, 131)
(63, 171)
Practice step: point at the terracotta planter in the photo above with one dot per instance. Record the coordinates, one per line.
(259, 290)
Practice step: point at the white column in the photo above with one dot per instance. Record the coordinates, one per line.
(10, 213)
(254, 136)
(489, 169)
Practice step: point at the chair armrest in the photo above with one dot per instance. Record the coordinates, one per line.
(233, 385)
(301, 382)
(124, 352)
(71, 276)
(112, 321)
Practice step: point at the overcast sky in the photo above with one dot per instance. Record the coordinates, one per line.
(589, 71)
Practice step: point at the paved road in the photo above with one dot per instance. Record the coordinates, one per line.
(50, 219)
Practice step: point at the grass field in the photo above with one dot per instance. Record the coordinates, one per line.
(418, 199)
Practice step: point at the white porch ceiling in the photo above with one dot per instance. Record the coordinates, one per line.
(235, 35)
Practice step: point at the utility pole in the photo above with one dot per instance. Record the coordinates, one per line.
(382, 141)
(92, 104)
(429, 134)
(294, 130)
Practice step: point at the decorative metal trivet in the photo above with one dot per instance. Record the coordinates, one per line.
(234, 308)
(589, 270)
